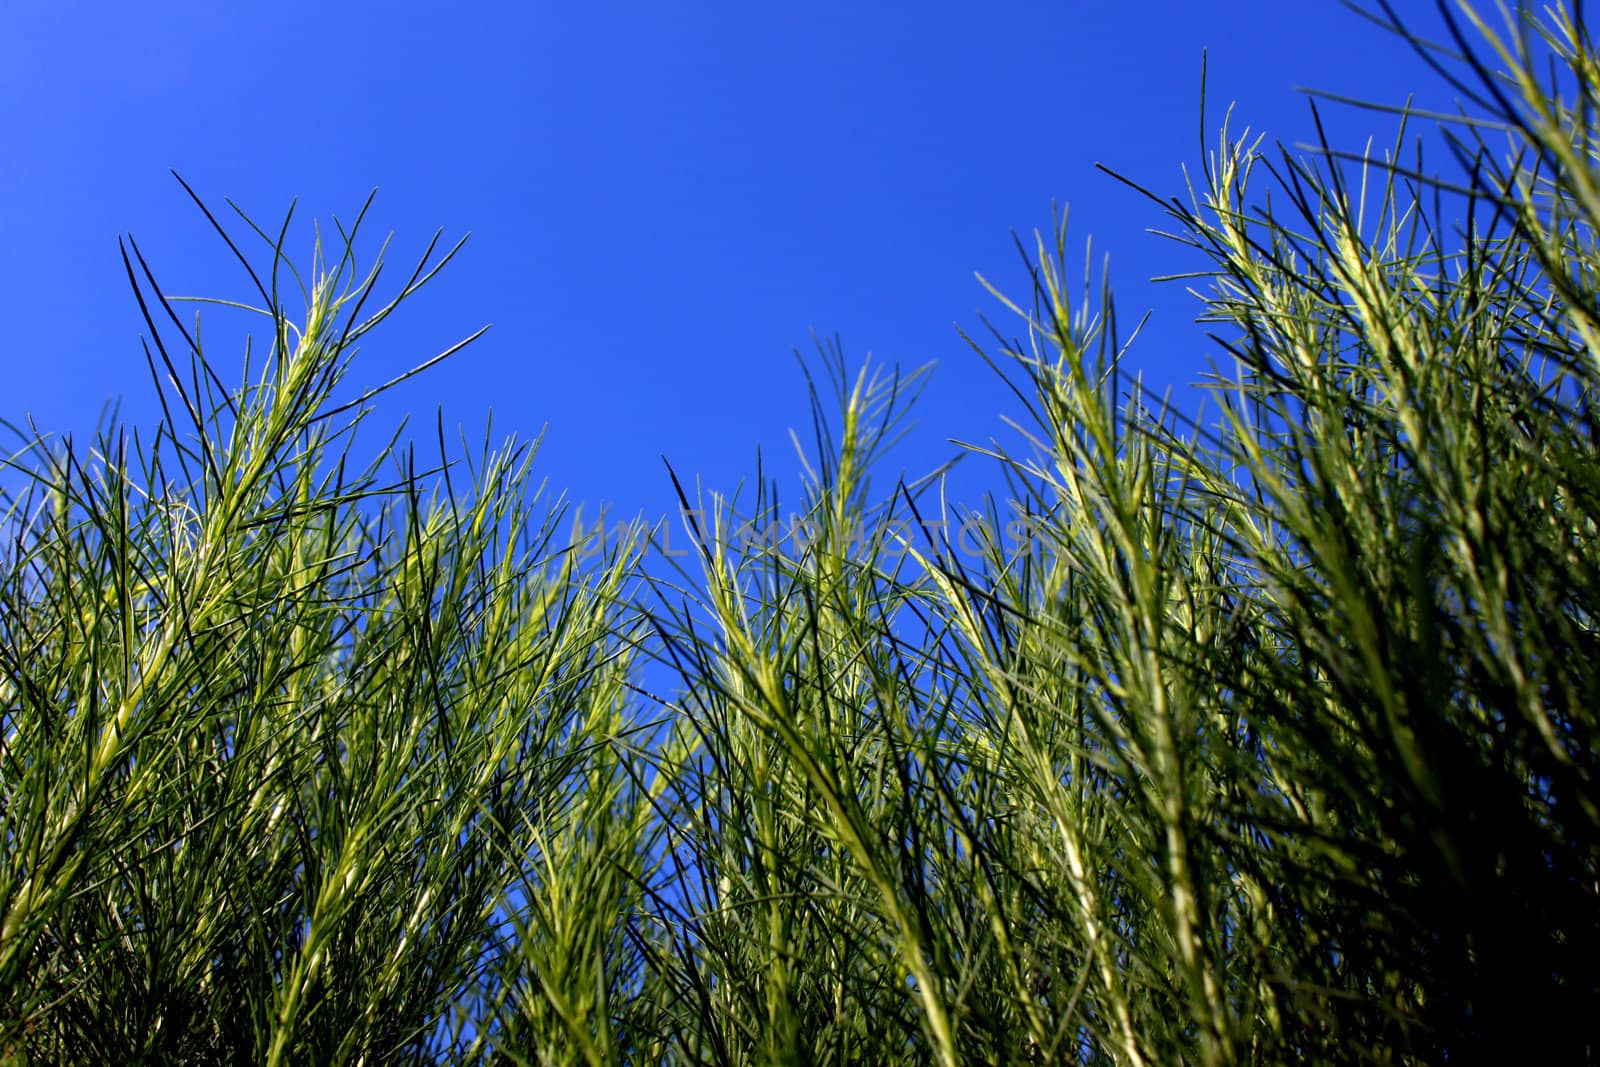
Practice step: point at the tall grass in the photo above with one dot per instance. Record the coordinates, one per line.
(290, 740)
(1261, 735)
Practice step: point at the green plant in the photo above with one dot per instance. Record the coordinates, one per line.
(1269, 737)
(1264, 735)
(289, 746)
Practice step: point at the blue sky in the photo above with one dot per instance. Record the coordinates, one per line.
(664, 200)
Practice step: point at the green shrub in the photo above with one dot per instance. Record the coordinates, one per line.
(1267, 735)
(288, 743)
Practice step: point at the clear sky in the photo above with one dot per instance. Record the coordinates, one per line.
(664, 199)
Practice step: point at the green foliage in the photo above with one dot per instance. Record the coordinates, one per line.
(288, 747)
(1264, 736)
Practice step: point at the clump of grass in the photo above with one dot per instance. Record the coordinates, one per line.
(291, 741)
(1264, 735)
(1272, 736)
